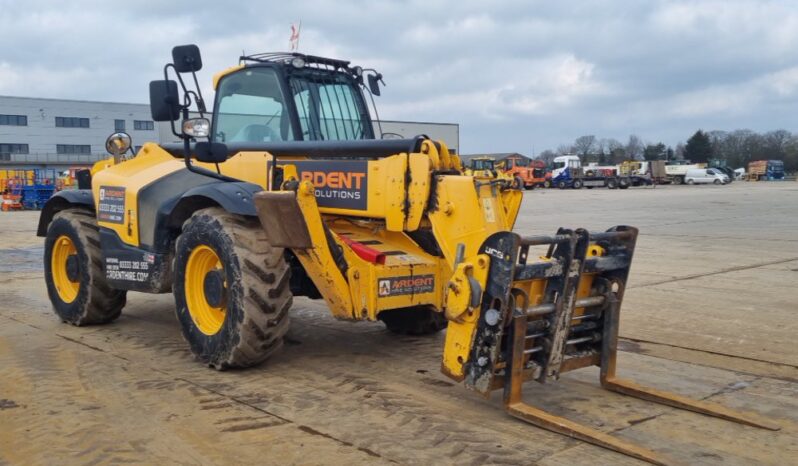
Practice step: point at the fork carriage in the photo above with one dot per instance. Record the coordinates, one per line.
(571, 322)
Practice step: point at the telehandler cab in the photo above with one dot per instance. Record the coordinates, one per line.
(288, 193)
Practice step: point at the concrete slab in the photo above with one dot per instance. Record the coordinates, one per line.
(708, 314)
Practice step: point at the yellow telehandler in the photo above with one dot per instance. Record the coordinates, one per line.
(287, 191)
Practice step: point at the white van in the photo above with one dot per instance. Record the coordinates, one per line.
(705, 175)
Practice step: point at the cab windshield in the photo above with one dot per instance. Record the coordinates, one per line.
(329, 106)
(251, 107)
(482, 164)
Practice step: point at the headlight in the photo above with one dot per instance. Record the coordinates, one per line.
(197, 127)
(298, 62)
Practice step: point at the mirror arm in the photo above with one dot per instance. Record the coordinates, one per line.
(200, 100)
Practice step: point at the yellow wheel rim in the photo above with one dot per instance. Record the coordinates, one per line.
(207, 318)
(66, 288)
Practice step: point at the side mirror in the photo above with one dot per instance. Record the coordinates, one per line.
(210, 152)
(164, 100)
(374, 83)
(118, 144)
(186, 58)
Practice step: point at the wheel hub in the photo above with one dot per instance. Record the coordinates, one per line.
(213, 286)
(72, 268)
(65, 269)
(205, 289)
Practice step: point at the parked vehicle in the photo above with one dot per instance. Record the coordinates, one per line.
(643, 172)
(532, 173)
(739, 174)
(706, 176)
(720, 164)
(675, 171)
(568, 173)
(766, 170)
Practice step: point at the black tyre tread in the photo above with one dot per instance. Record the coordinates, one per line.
(413, 321)
(104, 303)
(264, 275)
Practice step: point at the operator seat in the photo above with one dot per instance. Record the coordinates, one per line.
(256, 133)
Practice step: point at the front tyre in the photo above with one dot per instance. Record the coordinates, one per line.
(73, 271)
(231, 289)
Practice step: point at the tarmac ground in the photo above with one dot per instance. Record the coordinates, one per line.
(709, 312)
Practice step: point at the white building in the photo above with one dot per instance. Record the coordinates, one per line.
(58, 132)
(36, 132)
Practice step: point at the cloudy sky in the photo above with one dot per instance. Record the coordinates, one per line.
(516, 75)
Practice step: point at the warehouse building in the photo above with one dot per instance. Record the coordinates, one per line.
(58, 133)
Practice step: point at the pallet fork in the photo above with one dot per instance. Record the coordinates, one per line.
(565, 332)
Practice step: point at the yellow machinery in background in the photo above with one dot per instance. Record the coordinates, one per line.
(485, 167)
(295, 197)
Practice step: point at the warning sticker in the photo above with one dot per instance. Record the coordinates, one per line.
(487, 210)
(111, 208)
(396, 286)
(341, 184)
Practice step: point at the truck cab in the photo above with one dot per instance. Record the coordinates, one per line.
(564, 166)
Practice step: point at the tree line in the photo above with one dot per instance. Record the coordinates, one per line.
(732, 148)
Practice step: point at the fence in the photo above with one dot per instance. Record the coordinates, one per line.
(50, 159)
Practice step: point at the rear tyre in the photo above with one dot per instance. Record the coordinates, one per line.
(624, 183)
(678, 180)
(74, 273)
(231, 289)
(577, 184)
(612, 184)
(413, 321)
(690, 181)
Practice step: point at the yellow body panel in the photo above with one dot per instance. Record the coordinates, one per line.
(418, 191)
(318, 261)
(245, 166)
(373, 285)
(151, 163)
(465, 215)
(218, 76)
(462, 315)
(384, 192)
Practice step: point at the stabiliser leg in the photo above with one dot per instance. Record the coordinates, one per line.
(627, 387)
